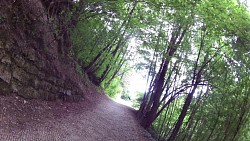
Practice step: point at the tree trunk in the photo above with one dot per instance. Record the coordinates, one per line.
(149, 113)
(184, 110)
(150, 116)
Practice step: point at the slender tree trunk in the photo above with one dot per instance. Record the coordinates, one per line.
(116, 72)
(109, 66)
(163, 124)
(154, 102)
(184, 110)
(196, 81)
(93, 62)
(150, 116)
(241, 118)
(191, 117)
(214, 126)
(170, 117)
(148, 98)
(193, 130)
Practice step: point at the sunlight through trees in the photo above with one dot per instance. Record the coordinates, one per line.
(195, 54)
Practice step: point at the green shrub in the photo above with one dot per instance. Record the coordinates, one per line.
(114, 88)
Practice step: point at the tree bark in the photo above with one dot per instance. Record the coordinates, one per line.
(150, 112)
(185, 108)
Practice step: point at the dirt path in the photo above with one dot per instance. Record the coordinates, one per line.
(34, 120)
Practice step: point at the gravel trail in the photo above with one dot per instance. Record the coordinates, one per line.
(36, 120)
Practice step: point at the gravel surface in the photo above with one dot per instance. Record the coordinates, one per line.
(96, 118)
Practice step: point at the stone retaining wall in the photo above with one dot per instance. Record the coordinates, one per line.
(30, 64)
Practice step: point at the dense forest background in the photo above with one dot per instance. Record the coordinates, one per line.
(195, 54)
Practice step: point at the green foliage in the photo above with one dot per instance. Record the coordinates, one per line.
(99, 42)
(125, 96)
(114, 88)
(138, 99)
(215, 39)
(215, 47)
(88, 39)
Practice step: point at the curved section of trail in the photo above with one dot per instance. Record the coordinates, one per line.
(35, 120)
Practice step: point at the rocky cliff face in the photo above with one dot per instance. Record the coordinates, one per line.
(31, 60)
